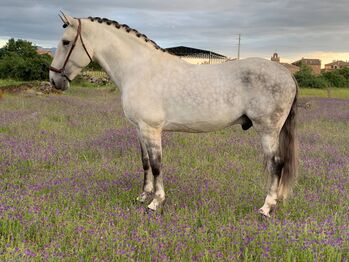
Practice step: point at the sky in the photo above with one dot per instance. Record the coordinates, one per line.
(292, 28)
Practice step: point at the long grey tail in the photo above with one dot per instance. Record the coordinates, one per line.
(288, 150)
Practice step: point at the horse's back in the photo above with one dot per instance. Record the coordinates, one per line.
(227, 91)
(237, 77)
(201, 98)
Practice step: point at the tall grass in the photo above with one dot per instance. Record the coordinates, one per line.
(342, 93)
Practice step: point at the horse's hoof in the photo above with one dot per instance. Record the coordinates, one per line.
(264, 213)
(139, 200)
(149, 211)
(142, 197)
(154, 206)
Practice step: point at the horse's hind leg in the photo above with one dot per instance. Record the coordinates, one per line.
(270, 144)
(148, 183)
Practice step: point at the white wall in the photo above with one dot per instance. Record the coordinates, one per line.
(203, 60)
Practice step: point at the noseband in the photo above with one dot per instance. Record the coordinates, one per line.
(62, 70)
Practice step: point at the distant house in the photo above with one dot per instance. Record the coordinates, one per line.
(336, 65)
(292, 68)
(197, 56)
(41, 51)
(314, 64)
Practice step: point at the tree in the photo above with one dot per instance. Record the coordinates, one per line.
(20, 60)
(345, 73)
(94, 66)
(335, 79)
(305, 78)
(20, 47)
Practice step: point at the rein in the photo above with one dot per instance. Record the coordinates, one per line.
(62, 70)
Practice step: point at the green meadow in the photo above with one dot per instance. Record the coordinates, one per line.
(70, 171)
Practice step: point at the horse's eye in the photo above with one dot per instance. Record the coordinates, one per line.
(65, 42)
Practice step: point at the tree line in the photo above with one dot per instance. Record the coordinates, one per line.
(335, 78)
(20, 60)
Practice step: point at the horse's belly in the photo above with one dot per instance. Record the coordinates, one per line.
(200, 122)
(199, 127)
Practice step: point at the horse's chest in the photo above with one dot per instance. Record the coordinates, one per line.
(141, 108)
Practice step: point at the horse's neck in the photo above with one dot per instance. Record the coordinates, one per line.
(122, 55)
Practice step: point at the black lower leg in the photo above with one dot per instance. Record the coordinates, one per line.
(146, 165)
(155, 162)
(276, 166)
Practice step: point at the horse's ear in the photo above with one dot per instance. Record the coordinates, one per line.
(67, 20)
(63, 20)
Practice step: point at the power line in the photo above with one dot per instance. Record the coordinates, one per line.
(239, 46)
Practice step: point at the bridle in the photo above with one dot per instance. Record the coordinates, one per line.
(62, 70)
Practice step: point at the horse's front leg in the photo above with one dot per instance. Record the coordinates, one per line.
(152, 141)
(148, 183)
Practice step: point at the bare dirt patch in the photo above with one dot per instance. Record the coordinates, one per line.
(37, 88)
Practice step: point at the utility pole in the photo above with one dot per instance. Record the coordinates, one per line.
(239, 46)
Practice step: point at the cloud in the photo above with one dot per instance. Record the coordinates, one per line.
(290, 27)
(325, 57)
(2, 42)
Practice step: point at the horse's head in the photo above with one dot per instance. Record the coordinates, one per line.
(72, 55)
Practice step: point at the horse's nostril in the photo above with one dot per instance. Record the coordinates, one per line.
(53, 82)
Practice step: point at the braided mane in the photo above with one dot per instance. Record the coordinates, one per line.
(127, 29)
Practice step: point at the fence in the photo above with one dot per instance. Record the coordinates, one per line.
(204, 59)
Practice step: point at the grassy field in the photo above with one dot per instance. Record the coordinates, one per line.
(70, 171)
(9, 82)
(342, 93)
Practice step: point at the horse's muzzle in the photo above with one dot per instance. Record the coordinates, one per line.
(58, 81)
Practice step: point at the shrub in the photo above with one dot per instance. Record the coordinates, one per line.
(19, 60)
(18, 47)
(345, 73)
(8, 65)
(335, 79)
(94, 66)
(305, 78)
